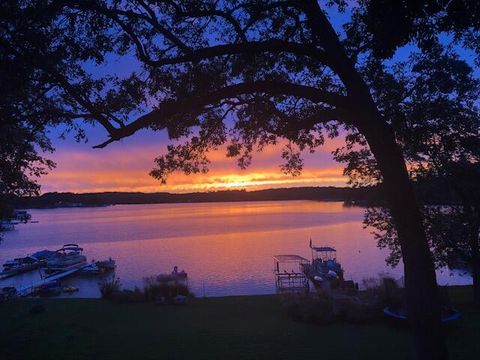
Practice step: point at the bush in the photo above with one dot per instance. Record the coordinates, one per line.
(359, 307)
(366, 306)
(109, 286)
(134, 296)
(157, 287)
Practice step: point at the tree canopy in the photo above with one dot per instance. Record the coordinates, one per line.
(244, 74)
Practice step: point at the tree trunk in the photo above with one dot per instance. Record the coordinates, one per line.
(475, 248)
(423, 302)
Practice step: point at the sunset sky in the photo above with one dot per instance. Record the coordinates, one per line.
(124, 166)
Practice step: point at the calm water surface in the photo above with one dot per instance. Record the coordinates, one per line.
(226, 248)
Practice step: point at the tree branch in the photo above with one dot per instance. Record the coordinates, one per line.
(184, 106)
(272, 45)
(214, 12)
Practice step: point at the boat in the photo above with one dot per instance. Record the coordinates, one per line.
(43, 254)
(324, 270)
(68, 257)
(20, 265)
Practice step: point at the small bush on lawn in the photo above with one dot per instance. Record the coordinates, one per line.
(157, 288)
(109, 286)
(128, 296)
(366, 306)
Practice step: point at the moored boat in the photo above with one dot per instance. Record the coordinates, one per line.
(68, 257)
(324, 270)
(20, 265)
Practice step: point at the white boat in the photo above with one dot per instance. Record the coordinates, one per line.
(20, 265)
(68, 257)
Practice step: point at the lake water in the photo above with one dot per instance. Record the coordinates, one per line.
(226, 248)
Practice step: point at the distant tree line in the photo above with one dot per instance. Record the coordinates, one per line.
(432, 192)
(366, 195)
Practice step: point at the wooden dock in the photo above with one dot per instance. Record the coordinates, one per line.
(29, 289)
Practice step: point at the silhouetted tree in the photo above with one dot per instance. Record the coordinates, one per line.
(242, 73)
(37, 61)
(433, 107)
(28, 100)
(384, 26)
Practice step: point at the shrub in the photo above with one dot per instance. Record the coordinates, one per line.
(366, 306)
(134, 296)
(109, 286)
(157, 287)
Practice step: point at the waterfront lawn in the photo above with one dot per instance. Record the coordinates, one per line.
(254, 327)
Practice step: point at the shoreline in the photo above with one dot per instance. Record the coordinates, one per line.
(77, 200)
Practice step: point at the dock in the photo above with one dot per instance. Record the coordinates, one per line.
(27, 290)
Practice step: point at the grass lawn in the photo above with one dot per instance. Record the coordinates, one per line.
(250, 327)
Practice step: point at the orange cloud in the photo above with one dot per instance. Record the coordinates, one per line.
(126, 169)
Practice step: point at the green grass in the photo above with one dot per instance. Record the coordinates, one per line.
(254, 327)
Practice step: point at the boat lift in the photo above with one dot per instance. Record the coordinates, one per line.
(289, 274)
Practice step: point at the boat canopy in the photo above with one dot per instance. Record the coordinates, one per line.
(290, 258)
(71, 248)
(43, 254)
(323, 248)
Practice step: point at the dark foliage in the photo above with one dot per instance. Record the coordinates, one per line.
(163, 290)
(109, 286)
(352, 195)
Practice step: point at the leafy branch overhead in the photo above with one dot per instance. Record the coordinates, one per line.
(243, 73)
(254, 71)
(241, 64)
